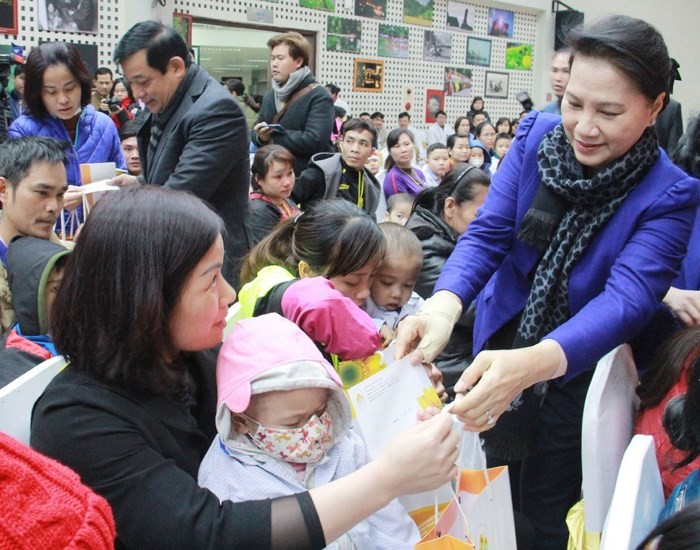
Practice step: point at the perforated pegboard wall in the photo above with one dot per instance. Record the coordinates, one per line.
(334, 66)
(420, 75)
(29, 33)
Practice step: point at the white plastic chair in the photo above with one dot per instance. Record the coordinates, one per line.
(608, 420)
(18, 397)
(638, 497)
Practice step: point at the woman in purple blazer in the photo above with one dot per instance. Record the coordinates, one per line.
(582, 233)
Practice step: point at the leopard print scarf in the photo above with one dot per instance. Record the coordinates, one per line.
(567, 212)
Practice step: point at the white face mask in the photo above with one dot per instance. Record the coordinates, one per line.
(478, 163)
(301, 445)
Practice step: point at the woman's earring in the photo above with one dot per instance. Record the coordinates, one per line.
(653, 122)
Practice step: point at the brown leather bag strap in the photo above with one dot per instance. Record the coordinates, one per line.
(297, 96)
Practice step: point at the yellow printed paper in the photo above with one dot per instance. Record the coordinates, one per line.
(388, 401)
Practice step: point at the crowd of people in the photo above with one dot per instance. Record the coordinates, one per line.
(505, 263)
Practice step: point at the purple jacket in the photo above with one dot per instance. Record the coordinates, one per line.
(96, 139)
(396, 181)
(618, 283)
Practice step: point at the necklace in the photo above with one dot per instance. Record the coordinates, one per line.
(412, 176)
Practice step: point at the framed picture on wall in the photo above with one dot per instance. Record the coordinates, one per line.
(458, 82)
(496, 85)
(418, 12)
(343, 35)
(434, 102)
(501, 23)
(393, 41)
(182, 23)
(8, 17)
(325, 5)
(376, 9)
(368, 76)
(437, 46)
(519, 56)
(67, 15)
(460, 17)
(478, 51)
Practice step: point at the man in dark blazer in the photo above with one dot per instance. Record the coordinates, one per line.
(300, 105)
(196, 137)
(669, 126)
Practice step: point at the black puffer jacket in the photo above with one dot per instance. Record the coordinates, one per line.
(438, 240)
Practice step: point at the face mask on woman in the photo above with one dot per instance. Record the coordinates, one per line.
(477, 162)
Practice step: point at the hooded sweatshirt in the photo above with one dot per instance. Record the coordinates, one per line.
(475, 143)
(29, 263)
(251, 362)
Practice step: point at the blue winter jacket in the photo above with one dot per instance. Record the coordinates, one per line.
(96, 139)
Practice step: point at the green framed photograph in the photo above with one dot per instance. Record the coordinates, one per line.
(325, 5)
(343, 35)
(418, 12)
(519, 56)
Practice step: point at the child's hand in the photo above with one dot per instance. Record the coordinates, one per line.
(387, 335)
(435, 376)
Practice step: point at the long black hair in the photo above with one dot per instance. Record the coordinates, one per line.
(112, 312)
(333, 236)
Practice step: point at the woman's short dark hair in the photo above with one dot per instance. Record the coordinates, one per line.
(263, 159)
(632, 46)
(124, 82)
(459, 121)
(477, 98)
(391, 140)
(161, 43)
(502, 120)
(333, 236)
(136, 252)
(461, 183)
(50, 54)
(452, 139)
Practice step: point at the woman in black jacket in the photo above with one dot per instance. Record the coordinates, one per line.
(141, 304)
(272, 180)
(440, 215)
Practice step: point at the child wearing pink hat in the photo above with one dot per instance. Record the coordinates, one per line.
(284, 427)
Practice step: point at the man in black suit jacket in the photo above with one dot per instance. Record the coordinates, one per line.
(196, 137)
(669, 126)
